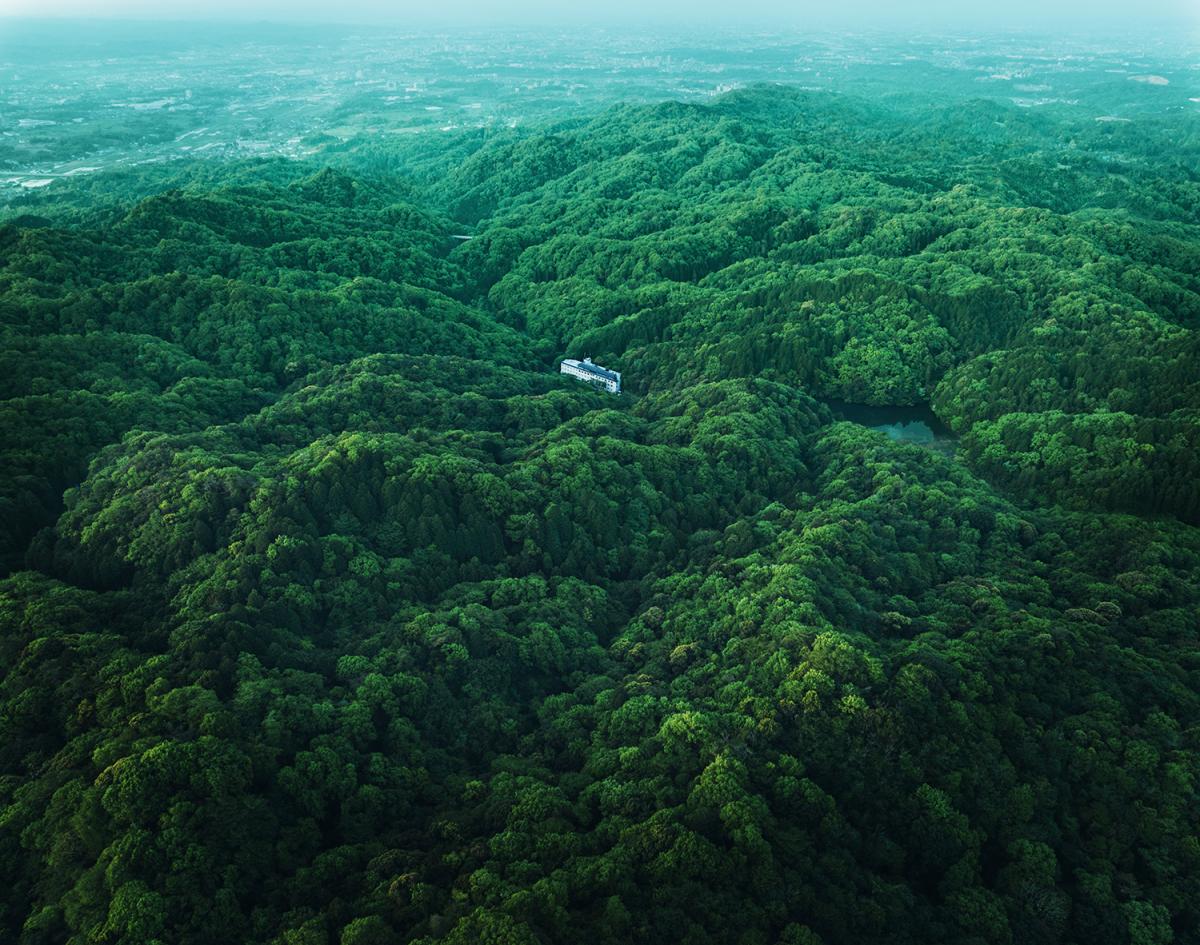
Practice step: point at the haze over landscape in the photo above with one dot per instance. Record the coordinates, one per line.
(679, 13)
(527, 474)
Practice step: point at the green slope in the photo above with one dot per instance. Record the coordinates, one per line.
(334, 615)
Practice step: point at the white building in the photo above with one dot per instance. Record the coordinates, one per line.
(592, 373)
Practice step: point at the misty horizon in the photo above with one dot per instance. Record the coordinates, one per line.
(1074, 15)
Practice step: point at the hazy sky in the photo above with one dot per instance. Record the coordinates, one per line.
(399, 12)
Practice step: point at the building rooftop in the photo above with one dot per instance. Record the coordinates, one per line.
(587, 365)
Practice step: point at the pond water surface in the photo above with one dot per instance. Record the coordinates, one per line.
(916, 424)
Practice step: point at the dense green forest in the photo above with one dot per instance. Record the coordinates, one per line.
(333, 615)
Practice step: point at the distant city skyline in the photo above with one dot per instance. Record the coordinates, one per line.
(682, 12)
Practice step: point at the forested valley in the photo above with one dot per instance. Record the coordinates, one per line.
(332, 614)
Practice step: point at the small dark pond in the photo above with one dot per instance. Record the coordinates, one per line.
(917, 424)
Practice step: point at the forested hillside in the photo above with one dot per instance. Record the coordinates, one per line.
(333, 615)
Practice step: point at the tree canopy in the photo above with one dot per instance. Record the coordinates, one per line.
(331, 613)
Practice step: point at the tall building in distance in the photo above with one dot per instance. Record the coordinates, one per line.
(585, 370)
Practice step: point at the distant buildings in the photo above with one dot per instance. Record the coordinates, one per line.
(585, 370)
